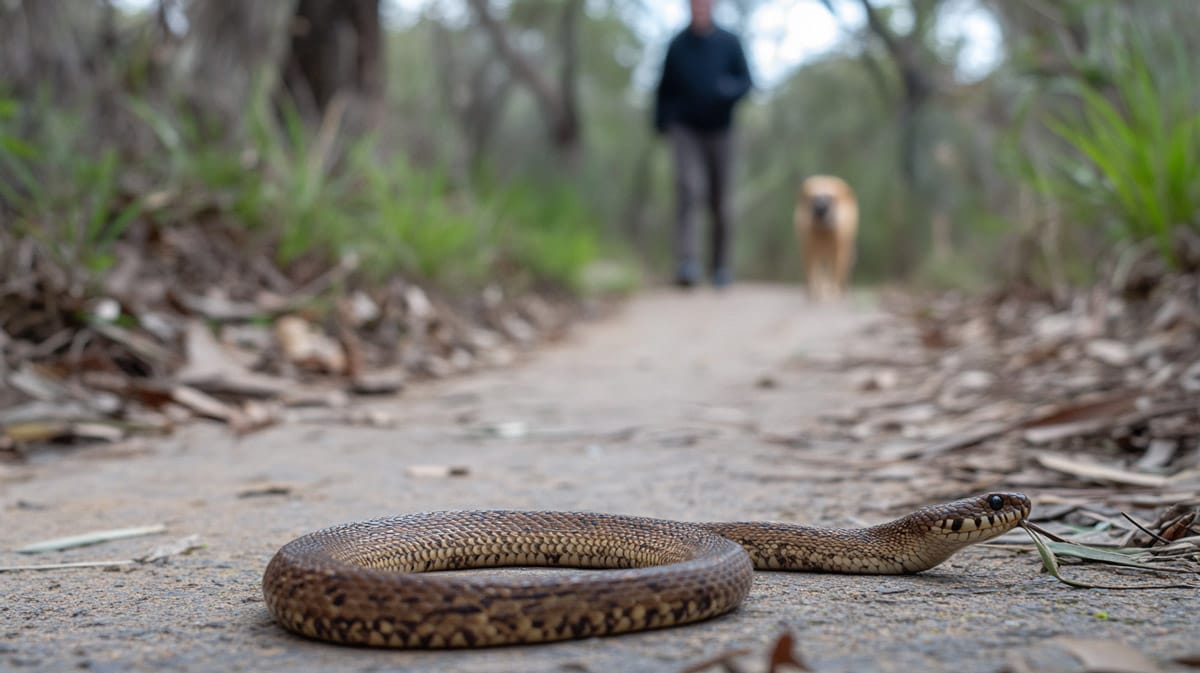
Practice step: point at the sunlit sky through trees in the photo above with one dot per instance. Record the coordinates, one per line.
(779, 35)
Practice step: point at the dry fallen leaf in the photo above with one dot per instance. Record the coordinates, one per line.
(1091, 471)
(256, 415)
(215, 304)
(437, 471)
(85, 539)
(1107, 655)
(1109, 351)
(1190, 379)
(34, 431)
(266, 488)
(1179, 528)
(784, 655)
(212, 367)
(203, 404)
(179, 547)
(308, 348)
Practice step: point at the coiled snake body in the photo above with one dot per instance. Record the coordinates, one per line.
(364, 583)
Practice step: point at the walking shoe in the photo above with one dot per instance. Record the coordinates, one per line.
(686, 276)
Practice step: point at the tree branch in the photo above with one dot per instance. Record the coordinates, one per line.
(879, 27)
(568, 123)
(873, 66)
(521, 66)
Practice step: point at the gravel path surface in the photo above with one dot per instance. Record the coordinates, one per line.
(662, 410)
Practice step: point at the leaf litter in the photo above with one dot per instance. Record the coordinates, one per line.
(1088, 401)
(191, 326)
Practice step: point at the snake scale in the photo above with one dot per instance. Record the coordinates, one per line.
(365, 584)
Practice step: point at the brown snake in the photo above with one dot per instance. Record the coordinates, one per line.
(363, 583)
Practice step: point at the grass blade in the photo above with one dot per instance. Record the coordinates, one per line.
(1046, 550)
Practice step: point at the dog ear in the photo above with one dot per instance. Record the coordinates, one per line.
(807, 189)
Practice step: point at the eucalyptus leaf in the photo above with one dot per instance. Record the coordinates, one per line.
(85, 539)
(1046, 550)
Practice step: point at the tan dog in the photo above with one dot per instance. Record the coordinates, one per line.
(826, 220)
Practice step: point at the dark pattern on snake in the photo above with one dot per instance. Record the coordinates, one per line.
(365, 583)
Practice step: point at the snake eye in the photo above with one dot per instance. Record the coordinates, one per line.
(995, 502)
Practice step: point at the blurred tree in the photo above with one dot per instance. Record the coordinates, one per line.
(231, 48)
(915, 63)
(474, 88)
(336, 47)
(49, 44)
(559, 103)
(921, 76)
(1047, 39)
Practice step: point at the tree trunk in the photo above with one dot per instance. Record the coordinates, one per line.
(337, 47)
(917, 88)
(45, 43)
(474, 96)
(559, 106)
(235, 51)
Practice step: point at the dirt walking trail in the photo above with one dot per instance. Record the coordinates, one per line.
(661, 410)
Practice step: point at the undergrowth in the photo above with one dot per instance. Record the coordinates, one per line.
(1133, 165)
(299, 195)
(72, 204)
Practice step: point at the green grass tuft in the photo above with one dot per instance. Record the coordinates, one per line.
(303, 199)
(1134, 165)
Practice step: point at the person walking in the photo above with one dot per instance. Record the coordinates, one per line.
(704, 75)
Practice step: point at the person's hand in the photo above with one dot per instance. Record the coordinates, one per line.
(729, 89)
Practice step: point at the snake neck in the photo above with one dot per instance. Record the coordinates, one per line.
(886, 549)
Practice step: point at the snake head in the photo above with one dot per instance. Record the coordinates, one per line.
(979, 518)
(934, 533)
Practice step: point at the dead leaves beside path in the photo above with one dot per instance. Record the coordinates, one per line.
(1106, 373)
(191, 327)
(1089, 402)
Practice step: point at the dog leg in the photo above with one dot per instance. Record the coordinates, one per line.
(823, 268)
(811, 272)
(843, 261)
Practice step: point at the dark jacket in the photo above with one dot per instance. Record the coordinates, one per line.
(702, 77)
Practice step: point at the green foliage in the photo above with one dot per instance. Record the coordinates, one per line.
(547, 229)
(199, 175)
(462, 185)
(398, 218)
(1134, 167)
(412, 221)
(296, 193)
(69, 201)
(395, 217)
(957, 272)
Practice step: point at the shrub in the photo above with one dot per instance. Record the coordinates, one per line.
(1134, 164)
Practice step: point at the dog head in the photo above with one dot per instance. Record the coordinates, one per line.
(822, 195)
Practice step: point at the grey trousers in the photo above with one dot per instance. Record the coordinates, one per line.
(703, 168)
